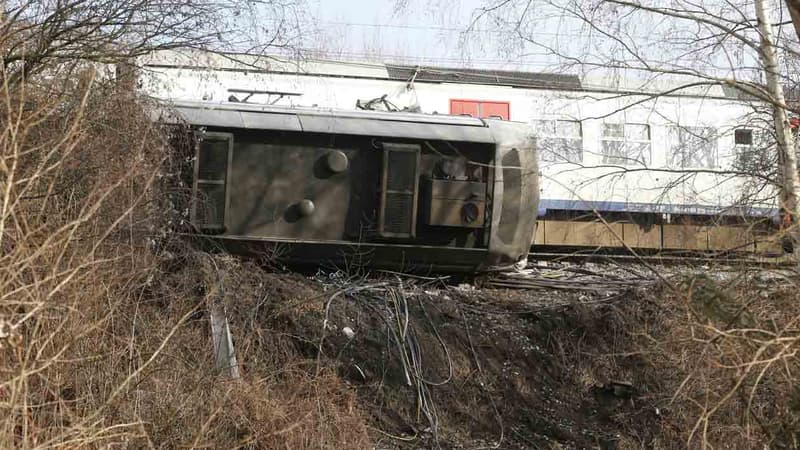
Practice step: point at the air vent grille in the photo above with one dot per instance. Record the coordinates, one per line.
(213, 153)
(398, 214)
(213, 160)
(402, 171)
(210, 205)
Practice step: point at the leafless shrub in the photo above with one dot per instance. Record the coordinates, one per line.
(720, 358)
(102, 337)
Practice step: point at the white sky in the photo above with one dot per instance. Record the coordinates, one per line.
(423, 31)
(432, 32)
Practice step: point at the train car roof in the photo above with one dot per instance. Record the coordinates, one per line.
(332, 121)
(662, 85)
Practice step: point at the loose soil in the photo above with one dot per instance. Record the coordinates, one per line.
(494, 368)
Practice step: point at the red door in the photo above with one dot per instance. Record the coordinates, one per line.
(464, 107)
(480, 108)
(495, 110)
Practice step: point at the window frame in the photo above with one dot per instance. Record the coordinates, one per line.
(755, 156)
(561, 137)
(625, 140)
(672, 146)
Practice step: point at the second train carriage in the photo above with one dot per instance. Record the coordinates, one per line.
(621, 151)
(411, 191)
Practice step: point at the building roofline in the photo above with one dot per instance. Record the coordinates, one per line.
(445, 75)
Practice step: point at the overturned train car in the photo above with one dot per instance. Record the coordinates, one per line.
(407, 191)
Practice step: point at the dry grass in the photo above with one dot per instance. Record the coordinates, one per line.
(102, 335)
(717, 358)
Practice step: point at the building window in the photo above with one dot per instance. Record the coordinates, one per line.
(560, 140)
(483, 109)
(692, 147)
(626, 144)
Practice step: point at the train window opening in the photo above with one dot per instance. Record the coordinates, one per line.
(560, 140)
(626, 144)
(743, 136)
(211, 165)
(755, 151)
(692, 147)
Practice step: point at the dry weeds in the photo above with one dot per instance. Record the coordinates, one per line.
(102, 335)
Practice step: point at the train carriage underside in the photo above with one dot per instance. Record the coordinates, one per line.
(407, 191)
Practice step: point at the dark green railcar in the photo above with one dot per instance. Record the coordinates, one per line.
(401, 190)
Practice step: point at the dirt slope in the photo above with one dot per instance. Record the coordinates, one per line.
(440, 365)
(330, 361)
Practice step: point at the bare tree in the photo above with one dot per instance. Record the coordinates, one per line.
(790, 188)
(37, 36)
(82, 175)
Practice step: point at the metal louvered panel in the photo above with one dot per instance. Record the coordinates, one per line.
(402, 171)
(212, 160)
(210, 205)
(398, 213)
(211, 173)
